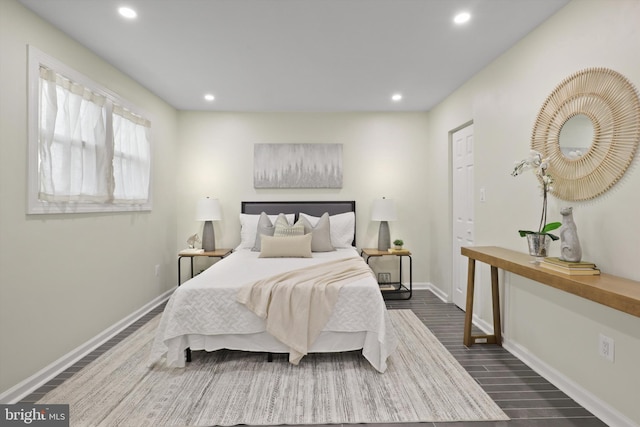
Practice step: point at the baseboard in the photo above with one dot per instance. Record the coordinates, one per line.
(592, 403)
(421, 285)
(484, 326)
(436, 291)
(29, 385)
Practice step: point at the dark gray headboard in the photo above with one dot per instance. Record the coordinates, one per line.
(309, 208)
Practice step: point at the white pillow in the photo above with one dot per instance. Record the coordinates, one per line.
(249, 228)
(286, 247)
(342, 228)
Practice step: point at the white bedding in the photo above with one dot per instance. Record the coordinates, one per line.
(202, 314)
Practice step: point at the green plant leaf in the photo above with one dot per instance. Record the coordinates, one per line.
(551, 226)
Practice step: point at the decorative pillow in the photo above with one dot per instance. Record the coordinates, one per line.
(343, 228)
(249, 227)
(266, 228)
(286, 247)
(283, 229)
(321, 233)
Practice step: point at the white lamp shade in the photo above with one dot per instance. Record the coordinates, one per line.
(208, 210)
(383, 210)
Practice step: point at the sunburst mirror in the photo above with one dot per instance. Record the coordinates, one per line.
(589, 129)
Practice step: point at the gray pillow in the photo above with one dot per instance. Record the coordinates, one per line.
(265, 228)
(321, 233)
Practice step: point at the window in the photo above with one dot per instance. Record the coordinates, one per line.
(89, 151)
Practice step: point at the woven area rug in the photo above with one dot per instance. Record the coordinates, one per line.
(423, 382)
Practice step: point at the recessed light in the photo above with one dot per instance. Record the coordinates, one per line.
(396, 97)
(209, 97)
(127, 12)
(462, 17)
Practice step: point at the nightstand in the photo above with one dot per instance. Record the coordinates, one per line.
(218, 253)
(393, 288)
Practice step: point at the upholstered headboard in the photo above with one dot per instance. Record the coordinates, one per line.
(309, 208)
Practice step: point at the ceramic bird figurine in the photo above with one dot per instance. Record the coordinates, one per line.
(192, 240)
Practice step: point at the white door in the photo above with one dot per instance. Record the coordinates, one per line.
(463, 213)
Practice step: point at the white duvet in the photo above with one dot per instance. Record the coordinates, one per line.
(203, 314)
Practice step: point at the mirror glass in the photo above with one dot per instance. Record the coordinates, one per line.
(576, 136)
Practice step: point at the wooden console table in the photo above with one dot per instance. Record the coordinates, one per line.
(615, 292)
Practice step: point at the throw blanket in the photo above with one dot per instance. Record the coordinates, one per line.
(297, 304)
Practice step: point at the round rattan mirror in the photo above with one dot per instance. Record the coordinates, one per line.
(612, 105)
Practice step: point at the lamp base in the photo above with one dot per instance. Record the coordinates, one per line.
(208, 237)
(384, 240)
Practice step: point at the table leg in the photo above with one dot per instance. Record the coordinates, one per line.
(471, 273)
(495, 293)
(496, 337)
(410, 276)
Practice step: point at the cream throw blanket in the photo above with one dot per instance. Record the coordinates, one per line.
(296, 305)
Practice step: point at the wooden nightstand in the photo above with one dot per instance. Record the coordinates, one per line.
(393, 288)
(218, 253)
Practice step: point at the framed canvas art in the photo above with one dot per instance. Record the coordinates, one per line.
(297, 166)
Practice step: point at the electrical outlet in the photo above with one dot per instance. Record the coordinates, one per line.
(606, 347)
(384, 277)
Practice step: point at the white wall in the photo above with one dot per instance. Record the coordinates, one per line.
(556, 329)
(66, 278)
(383, 155)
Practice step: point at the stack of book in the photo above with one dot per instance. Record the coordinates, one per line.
(581, 268)
(191, 251)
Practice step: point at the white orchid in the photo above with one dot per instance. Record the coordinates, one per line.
(534, 161)
(539, 165)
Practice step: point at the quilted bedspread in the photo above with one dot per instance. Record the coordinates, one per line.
(206, 306)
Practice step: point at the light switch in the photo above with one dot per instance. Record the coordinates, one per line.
(483, 196)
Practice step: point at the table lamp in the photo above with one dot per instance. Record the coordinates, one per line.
(208, 211)
(383, 210)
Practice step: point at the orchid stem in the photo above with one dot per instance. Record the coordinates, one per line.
(543, 219)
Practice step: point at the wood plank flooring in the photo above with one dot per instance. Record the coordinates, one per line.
(527, 398)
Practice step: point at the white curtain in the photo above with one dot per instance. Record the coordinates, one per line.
(90, 150)
(74, 163)
(131, 157)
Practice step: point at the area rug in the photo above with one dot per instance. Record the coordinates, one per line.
(423, 382)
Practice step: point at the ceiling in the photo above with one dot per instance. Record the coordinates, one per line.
(298, 55)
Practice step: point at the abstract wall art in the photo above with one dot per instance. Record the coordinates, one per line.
(297, 166)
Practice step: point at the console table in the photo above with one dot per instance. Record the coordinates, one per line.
(615, 292)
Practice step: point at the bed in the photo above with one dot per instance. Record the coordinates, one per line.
(205, 313)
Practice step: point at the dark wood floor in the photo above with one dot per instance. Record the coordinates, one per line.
(527, 398)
